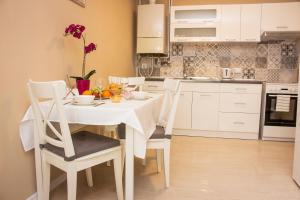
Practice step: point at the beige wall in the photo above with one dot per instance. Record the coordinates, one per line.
(32, 46)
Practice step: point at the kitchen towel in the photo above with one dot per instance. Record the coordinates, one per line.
(283, 103)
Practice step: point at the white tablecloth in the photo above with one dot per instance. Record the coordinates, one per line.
(141, 115)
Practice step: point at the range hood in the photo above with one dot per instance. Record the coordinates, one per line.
(280, 35)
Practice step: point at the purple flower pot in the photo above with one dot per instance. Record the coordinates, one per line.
(82, 85)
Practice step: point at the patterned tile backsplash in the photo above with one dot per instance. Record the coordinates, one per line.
(274, 62)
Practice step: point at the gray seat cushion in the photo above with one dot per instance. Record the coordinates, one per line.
(85, 143)
(159, 132)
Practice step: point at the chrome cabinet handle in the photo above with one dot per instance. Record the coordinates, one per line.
(153, 86)
(228, 39)
(240, 89)
(282, 27)
(239, 123)
(240, 103)
(250, 39)
(205, 95)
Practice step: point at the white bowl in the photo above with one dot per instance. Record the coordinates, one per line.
(84, 99)
(140, 95)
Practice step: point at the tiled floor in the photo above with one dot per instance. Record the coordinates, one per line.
(206, 169)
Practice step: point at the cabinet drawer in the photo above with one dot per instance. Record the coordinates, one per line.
(239, 122)
(241, 88)
(245, 103)
(201, 87)
(153, 86)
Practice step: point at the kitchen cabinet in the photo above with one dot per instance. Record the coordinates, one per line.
(203, 14)
(250, 22)
(183, 119)
(231, 23)
(205, 111)
(240, 107)
(229, 110)
(195, 23)
(281, 16)
(154, 86)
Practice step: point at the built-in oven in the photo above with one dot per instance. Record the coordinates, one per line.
(280, 112)
(279, 118)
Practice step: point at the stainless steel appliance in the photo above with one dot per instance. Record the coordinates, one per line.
(280, 112)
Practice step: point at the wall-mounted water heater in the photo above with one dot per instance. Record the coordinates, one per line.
(151, 29)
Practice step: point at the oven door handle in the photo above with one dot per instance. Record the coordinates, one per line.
(271, 95)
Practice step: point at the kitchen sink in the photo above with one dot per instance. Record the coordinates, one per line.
(198, 78)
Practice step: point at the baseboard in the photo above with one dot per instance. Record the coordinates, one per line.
(216, 134)
(55, 183)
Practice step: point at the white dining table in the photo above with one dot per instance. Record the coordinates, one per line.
(140, 117)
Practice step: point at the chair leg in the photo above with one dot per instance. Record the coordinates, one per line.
(72, 183)
(158, 160)
(118, 176)
(46, 180)
(89, 177)
(144, 161)
(98, 130)
(123, 154)
(167, 164)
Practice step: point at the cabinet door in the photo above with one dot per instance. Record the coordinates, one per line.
(205, 111)
(281, 16)
(184, 111)
(195, 14)
(194, 32)
(151, 20)
(231, 23)
(250, 22)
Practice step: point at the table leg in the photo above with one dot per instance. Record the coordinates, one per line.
(129, 175)
(38, 165)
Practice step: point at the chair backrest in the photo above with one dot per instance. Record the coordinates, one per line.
(172, 89)
(131, 81)
(53, 91)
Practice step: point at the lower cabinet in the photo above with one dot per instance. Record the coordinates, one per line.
(226, 110)
(183, 117)
(205, 111)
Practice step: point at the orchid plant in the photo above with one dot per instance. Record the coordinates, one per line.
(76, 31)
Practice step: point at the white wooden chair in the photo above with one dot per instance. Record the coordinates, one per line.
(161, 138)
(70, 153)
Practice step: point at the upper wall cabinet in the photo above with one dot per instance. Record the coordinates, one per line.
(250, 22)
(195, 14)
(231, 23)
(281, 17)
(195, 23)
